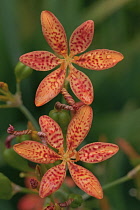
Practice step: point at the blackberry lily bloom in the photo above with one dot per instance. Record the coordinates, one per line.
(90, 153)
(80, 40)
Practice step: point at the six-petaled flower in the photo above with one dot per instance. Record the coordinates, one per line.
(80, 40)
(90, 153)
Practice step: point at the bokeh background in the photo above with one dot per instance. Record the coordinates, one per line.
(117, 90)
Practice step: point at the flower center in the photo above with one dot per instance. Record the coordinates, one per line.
(68, 60)
(71, 156)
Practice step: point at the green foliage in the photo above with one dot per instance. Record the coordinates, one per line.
(16, 161)
(5, 187)
(77, 200)
(117, 90)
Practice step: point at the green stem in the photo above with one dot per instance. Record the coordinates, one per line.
(116, 182)
(18, 88)
(24, 110)
(29, 116)
(26, 190)
(17, 189)
(123, 179)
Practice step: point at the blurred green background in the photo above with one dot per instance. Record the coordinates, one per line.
(117, 90)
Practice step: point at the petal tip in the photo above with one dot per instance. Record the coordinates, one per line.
(41, 194)
(121, 57)
(100, 196)
(90, 22)
(38, 103)
(45, 12)
(116, 56)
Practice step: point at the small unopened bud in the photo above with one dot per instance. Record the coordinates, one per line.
(22, 71)
(4, 86)
(33, 183)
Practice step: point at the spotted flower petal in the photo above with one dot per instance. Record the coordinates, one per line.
(85, 180)
(36, 152)
(81, 85)
(50, 86)
(97, 152)
(52, 180)
(52, 130)
(40, 60)
(82, 37)
(54, 33)
(98, 59)
(79, 127)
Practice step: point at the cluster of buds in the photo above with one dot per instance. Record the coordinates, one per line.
(53, 146)
(6, 96)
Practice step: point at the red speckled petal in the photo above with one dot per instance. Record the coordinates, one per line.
(98, 59)
(81, 85)
(82, 37)
(54, 33)
(97, 152)
(79, 127)
(40, 60)
(50, 87)
(85, 180)
(52, 180)
(36, 152)
(52, 130)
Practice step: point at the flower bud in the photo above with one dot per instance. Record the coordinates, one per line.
(6, 190)
(78, 200)
(4, 86)
(16, 161)
(54, 115)
(22, 71)
(62, 117)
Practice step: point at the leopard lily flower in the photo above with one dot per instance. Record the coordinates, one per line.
(80, 40)
(91, 153)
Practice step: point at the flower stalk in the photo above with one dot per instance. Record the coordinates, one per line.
(130, 175)
(60, 137)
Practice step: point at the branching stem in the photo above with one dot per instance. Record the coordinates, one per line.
(127, 177)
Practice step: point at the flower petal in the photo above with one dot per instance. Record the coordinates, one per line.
(98, 59)
(40, 60)
(36, 152)
(54, 33)
(81, 85)
(85, 180)
(82, 37)
(52, 130)
(79, 127)
(97, 152)
(52, 180)
(50, 87)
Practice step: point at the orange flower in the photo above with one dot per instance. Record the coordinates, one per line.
(80, 40)
(91, 153)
